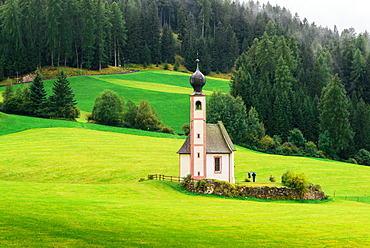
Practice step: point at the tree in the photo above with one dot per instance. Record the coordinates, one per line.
(167, 45)
(62, 102)
(255, 129)
(108, 109)
(231, 111)
(130, 114)
(118, 33)
(320, 76)
(147, 118)
(361, 125)
(334, 114)
(37, 97)
(296, 138)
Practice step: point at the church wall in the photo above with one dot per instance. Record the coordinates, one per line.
(224, 172)
(184, 165)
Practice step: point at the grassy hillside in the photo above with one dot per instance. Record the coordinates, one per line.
(68, 187)
(74, 184)
(167, 91)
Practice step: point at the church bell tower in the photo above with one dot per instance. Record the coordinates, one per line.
(198, 158)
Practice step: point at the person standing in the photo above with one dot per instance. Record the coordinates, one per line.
(254, 176)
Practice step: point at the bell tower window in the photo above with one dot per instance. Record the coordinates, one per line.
(198, 105)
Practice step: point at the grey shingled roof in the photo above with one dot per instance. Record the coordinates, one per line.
(217, 138)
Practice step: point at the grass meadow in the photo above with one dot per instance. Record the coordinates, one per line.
(72, 184)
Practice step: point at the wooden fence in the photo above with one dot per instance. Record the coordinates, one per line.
(164, 178)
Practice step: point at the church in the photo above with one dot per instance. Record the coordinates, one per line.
(208, 151)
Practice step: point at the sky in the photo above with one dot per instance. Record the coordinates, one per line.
(327, 13)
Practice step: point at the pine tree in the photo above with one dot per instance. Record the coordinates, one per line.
(358, 74)
(62, 102)
(361, 126)
(167, 45)
(255, 129)
(37, 97)
(118, 33)
(320, 76)
(334, 114)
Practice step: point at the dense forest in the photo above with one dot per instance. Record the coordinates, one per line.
(291, 74)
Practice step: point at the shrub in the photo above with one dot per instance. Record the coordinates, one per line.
(272, 179)
(186, 128)
(186, 181)
(286, 178)
(165, 67)
(167, 129)
(266, 143)
(298, 182)
(311, 149)
(363, 157)
(176, 67)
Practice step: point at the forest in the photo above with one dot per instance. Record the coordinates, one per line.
(291, 75)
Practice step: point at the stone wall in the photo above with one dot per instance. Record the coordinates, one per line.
(273, 193)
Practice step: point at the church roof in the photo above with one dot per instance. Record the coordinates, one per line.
(217, 140)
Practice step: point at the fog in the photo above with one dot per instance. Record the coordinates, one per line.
(343, 14)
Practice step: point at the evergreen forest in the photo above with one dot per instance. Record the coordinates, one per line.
(295, 79)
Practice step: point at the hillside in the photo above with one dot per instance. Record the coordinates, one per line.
(167, 91)
(74, 187)
(75, 184)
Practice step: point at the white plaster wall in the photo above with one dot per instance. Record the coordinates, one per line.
(199, 162)
(184, 165)
(199, 129)
(225, 159)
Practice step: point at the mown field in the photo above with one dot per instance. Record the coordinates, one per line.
(167, 91)
(70, 184)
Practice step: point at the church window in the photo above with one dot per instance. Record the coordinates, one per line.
(218, 164)
(198, 135)
(198, 105)
(198, 154)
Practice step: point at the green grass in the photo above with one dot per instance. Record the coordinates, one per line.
(68, 187)
(75, 184)
(167, 91)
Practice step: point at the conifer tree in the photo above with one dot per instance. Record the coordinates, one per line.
(167, 45)
(334, 114)
(37, 97)
(62, 102)
(361, 125)
(118, 33)
(255, 129)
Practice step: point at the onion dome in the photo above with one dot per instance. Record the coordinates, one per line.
(197, 81)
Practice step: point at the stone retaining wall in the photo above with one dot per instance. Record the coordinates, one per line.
(274, 193)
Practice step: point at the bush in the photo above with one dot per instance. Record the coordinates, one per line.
(298, 182)
(186, 181)
(363, 157)
(266, 143)
(311, 149)
(186, 128)
(272, 179)
(167, 129)
(176, 67)
(165, 67)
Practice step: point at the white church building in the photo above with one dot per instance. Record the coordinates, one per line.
(208, 151)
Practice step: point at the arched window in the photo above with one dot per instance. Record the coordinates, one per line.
(198, 105)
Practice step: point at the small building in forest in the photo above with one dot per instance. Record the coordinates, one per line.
(208, 151)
